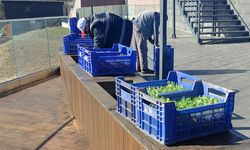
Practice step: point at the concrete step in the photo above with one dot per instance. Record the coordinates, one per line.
(236, 22)
(203, 2)
(214, 6)
(229, 11)
(231, 33)
(237, 27)
(225, 39)
(215, 16)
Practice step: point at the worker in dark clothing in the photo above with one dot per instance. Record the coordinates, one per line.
(107, 29)
(145, 27)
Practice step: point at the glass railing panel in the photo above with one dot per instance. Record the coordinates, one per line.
(55, 33)
(117, 10)
(124, 9)
(7, 60)
(31, 47)
(102, 9)
(84, 12)
(7, 53)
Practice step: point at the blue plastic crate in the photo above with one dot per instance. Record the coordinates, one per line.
(73, 25)
(167, 125)
(118, 60)
(70, 43)
(126, 92)
(87, 43)
(168, 61)
(80, 55)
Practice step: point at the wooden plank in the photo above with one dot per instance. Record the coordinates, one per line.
(26, 81)
(38, 76)
(96, 124)
(129, 143)
(103, 128)
(66, 59)
(8, 86)
(117, 135)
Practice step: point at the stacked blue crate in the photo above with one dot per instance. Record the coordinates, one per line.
(126, 92)
(70, 43)
(87, 43)
(168, 60)
(167, 125)
(73, 26)
(118, 60)
(71, 40)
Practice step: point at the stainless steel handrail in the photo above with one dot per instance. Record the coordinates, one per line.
(198, 17)
(239, 15)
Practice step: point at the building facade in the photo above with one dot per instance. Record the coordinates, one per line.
(16, 9)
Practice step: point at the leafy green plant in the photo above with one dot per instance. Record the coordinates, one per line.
(170, 87)
(185, 102)
(189, 102)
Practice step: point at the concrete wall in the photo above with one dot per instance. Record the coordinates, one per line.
(76, 5)
(242, 7)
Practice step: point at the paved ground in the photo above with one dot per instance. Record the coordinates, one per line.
(226, 65)
(30, 116)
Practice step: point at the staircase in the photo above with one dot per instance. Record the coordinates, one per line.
(214, 21)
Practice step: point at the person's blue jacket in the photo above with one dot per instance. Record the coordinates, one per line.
(107, 29)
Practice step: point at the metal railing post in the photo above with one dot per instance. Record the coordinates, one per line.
(198, 31)
(174, 29)
(91, 6)
(183, 7)
(197, 16)
(163, 36)
(214, 18)
(47, 35)
(15, 52)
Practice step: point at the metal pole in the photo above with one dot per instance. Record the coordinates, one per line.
(174, 33)
(199, 25)
(163, 35)
(91, 5)
(183, 7)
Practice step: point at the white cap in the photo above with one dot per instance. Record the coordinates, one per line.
(81, 24)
